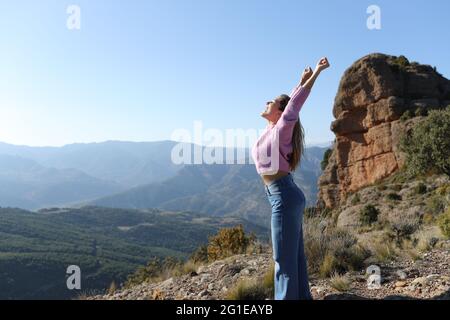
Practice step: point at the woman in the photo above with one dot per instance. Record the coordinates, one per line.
(276, 153)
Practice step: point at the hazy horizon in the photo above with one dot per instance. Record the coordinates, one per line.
(318, 144)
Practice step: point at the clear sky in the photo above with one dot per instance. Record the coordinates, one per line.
(138, 70)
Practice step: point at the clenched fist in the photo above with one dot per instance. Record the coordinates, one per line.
(322, 64)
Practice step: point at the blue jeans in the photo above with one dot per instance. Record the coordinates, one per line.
(291, 274)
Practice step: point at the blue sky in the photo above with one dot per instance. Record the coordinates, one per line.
(138, 70)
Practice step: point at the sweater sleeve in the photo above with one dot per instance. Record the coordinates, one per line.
(285, 125)
(295, 89)
(291, 113)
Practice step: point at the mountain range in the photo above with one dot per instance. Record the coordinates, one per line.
(138, 175)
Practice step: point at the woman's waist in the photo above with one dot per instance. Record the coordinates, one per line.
(279, 179)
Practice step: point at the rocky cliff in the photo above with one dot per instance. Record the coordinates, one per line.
(373, 94)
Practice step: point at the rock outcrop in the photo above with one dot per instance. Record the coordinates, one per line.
(373, 94)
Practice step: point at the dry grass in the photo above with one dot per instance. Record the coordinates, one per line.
(248, 290)
(268, 278)
(383, 251)
(427, 239)
(329, 249)
(340, 282)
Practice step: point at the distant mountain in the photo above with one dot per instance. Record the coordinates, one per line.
(128, 164)
(107, 244)
(217, 190)
(326, 144)
(138, 175)
(25, 183)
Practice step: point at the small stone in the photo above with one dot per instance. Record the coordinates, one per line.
(318, 289)
(420, 282)
(203, 293)
(401, 274)
(432, 277)
(400, 284)
(245, 272)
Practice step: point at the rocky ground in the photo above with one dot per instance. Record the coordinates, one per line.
(425, 278)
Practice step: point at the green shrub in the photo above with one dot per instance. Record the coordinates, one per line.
(435, 204)
(399, 177)
(149, 273)
(368, 215)
(427, 146)
(421, 112)
(356, 199)
(428, 218)
(200, 255)
(228, 242)
(443, 190)
(403, 227)
(394, 196)
(397, 187)
(420, 188)
(402, 61)
(408, 114)
(399, 64)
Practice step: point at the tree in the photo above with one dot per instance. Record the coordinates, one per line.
(427, 146)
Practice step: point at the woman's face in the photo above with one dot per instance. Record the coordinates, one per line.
(272, 111)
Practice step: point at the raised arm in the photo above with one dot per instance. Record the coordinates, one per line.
(290, 115)
(321, 65)
(302, 90)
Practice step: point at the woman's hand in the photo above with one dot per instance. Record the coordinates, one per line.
(322, 64)
(307, 73)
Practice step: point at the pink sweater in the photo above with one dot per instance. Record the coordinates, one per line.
(272, 150)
